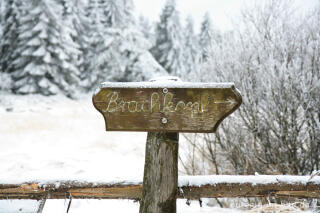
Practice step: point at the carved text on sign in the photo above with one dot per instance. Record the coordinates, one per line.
(168, 107)
(154, 104)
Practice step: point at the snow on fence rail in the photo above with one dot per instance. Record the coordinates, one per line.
(190, 187)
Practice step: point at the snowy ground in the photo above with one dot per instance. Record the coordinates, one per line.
(58, 138)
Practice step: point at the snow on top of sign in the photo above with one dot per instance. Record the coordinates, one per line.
(166, 78)
(165, 84)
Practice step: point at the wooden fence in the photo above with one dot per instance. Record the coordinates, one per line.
(190, 187)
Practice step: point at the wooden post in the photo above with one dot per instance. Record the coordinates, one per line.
(160, 181)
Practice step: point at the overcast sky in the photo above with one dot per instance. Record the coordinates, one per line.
(222, 11)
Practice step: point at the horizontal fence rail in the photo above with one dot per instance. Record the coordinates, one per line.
(190, 187)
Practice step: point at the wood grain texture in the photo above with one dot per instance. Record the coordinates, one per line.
(160, 179)
(185, 109)
(87, 190)
(65, 189)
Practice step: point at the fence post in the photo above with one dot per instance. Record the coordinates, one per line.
(160, 181)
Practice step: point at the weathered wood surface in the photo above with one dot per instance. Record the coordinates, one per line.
(169, 107)
(187, 189)
(65, 189)
(160, 179)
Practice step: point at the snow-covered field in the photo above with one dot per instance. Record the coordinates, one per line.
(57, 138)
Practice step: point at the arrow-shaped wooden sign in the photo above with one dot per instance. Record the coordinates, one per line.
(165, 106)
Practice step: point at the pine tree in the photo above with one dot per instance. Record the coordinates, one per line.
(125, 57)
(4, 77)
(92, 39)
(147, 29)
(206, 36)
(69, 33)
(1, 19)
(168, 50)
(81, 33)
(8, 41)
(1, 27)
(116, 13)
(108, 20)
(113, 47)
(191, 47)
(67, 6)
(41, 62)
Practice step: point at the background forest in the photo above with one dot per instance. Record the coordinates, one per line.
(65, 47)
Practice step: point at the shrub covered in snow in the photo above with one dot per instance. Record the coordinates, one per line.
(274, 60)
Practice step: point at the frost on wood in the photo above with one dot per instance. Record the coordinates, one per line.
(191, 187)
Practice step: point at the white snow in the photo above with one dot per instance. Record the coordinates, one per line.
(252, 179)
(162, 84)
(15, 206)
(41, 25)
(56, 138)
(92, 206)
(34, 42)
(47, 58)
(39, 52)
(165, 78)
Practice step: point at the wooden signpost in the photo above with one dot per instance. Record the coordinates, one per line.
(163, 109)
